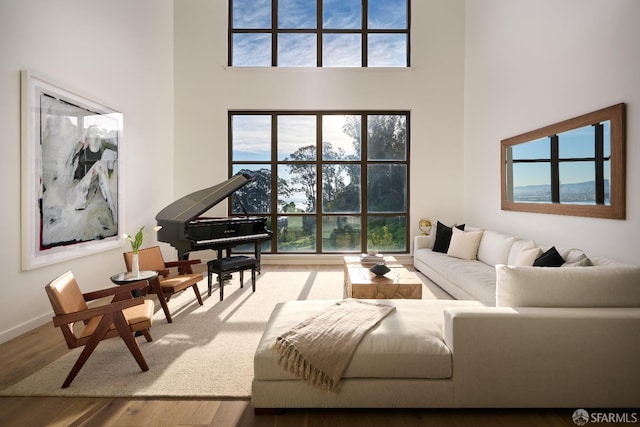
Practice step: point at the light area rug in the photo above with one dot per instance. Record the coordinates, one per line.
(206, 352)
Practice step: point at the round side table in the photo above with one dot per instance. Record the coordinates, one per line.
(127, 277)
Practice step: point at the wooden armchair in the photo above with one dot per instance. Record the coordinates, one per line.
(122, 317)
(166, 285)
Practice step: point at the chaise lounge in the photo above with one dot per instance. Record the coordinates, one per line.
(552, 337)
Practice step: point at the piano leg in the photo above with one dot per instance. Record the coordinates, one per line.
(257, 251)
(221, 284)
(227, 276)
(221, 277)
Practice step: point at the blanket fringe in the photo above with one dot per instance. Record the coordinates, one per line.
(294, 362)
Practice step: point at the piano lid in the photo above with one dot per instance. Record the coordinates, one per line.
(193, 205)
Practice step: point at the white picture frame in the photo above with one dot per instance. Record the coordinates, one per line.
(70, 178)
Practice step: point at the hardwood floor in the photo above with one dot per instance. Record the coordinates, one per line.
(30, 352)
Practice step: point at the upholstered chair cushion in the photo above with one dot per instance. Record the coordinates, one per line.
(67, 295)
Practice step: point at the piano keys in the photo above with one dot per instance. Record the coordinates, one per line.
(185, 229)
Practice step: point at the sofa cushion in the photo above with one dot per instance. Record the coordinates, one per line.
(476, 278)
(604, 286)
(606, 262)
(409, 343)
(464, 244)
(523, 253)
(494, 248)
(443, 237)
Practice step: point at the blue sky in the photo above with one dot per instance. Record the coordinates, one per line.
(251, 137)
(576, 143)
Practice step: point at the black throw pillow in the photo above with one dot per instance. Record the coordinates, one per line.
(443, 237)
(550, 258)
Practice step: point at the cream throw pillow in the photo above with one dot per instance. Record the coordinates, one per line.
(464, 244)
(523, 253)
(579, 261)
(494, 248)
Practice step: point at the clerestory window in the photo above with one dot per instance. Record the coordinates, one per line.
(319, 33)
(328, 182)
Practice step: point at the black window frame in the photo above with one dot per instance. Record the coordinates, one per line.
(364, 162)
(319, 31)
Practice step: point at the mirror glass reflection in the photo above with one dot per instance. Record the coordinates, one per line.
(559, 168)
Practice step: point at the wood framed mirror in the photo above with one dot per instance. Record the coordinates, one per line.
(574, 167)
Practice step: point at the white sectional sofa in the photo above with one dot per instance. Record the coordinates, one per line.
(475, 279)
(522, 336)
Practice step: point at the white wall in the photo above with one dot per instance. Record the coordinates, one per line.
(533, 63)
(432, 90)
(120, 53)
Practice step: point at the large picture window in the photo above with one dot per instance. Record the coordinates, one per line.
(319, 33)
(328, 182)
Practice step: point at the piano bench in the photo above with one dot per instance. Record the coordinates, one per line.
(224, 266)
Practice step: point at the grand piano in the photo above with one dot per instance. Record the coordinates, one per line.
(184, 228)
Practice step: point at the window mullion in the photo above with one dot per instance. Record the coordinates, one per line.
(319, 162)
(364, 176)
(407, 181)
(365, 33)
(274, 183)
(408, 36)
(230, 36)
(320, 33)
(555, 170)
(599, 163)
(274, 33)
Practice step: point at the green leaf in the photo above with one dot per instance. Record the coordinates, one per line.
(137, 242)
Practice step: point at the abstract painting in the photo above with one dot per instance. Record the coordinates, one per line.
(70, 174)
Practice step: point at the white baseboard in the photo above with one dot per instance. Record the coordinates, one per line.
(25, 327)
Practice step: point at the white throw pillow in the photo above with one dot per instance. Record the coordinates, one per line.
(523, 253)
(494, 248)
(579, 261)
(574, 258)
(464, 244)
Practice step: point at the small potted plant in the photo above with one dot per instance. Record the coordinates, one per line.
(136, 243)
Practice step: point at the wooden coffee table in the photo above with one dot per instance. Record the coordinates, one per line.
(399, 283)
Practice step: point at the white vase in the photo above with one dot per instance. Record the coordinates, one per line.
(135, 267)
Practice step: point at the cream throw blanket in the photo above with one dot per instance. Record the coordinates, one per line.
(319, 349)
